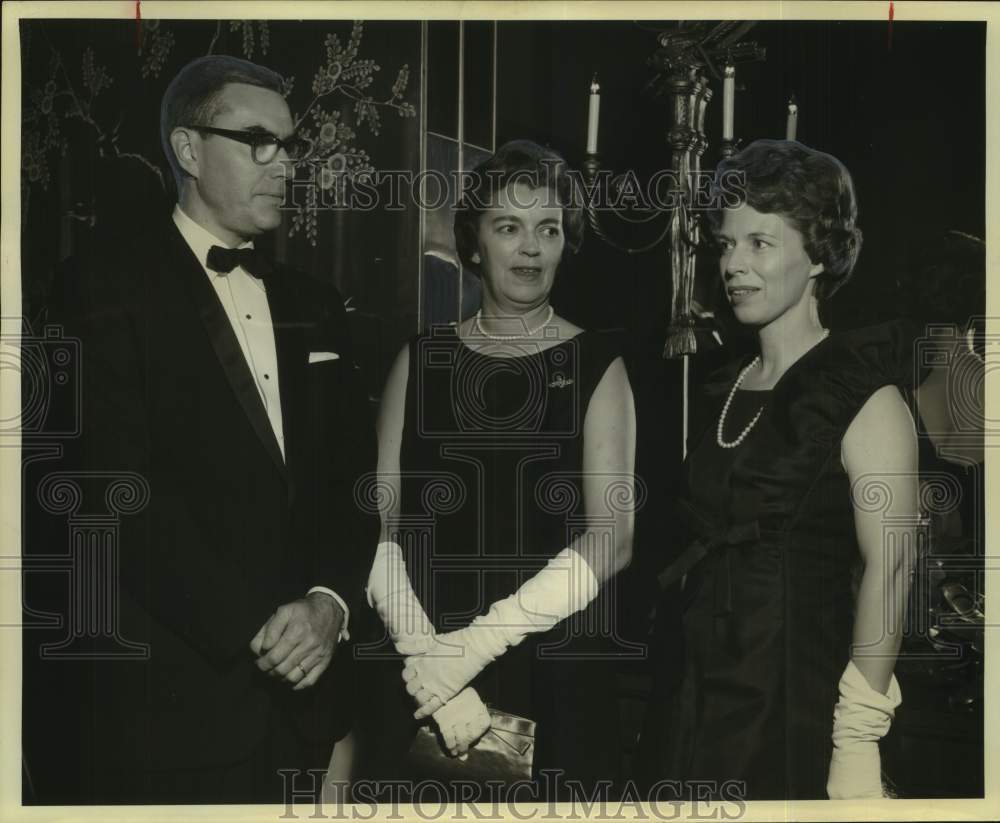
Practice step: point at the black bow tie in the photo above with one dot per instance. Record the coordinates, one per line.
(252, 261)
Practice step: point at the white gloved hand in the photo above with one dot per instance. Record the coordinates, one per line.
(861, 718)
(462, 721)
(392, 596)
(565, 586)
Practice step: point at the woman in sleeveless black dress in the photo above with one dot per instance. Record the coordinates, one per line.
(506, 454)
(799, 515)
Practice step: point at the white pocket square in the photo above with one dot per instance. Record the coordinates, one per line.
(322, 356)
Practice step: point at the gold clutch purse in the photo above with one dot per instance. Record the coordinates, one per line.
(505, 752)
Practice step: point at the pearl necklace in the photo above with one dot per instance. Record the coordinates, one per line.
(725, 409)
(732, 393)
(507, 337)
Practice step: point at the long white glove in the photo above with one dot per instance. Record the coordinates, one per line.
(565, 586)
(462, 721)
(392, 596)
(861, 718)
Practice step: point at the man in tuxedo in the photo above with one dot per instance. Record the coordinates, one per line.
(226, 382)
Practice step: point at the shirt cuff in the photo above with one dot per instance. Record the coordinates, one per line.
(344, 634)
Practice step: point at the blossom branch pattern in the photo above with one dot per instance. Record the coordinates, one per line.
(48, 106)
(335, 159)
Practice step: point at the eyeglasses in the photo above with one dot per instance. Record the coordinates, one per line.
(264, 146)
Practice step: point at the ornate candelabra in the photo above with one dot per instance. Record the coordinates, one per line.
(687, 56)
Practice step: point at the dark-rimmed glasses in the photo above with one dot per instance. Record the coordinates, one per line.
(264, 146)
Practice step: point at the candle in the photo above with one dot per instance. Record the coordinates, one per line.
(793, 119)
(595, 108)
(728, 101)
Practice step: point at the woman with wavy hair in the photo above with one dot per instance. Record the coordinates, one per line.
(800, 505)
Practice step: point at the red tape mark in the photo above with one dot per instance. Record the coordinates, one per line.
(892, 14)
(138, 25)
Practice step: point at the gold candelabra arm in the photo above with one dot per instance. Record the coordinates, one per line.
(686, 59)
(591, 167)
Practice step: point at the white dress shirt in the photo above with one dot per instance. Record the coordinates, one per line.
(244, 300)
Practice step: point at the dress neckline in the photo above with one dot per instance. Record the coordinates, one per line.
(806, 355)
(469, 350)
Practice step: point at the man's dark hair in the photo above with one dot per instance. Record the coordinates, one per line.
(193, 96)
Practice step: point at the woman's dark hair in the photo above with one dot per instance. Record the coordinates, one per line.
(809, 188)
(945, 281)
(517, 161)
(193, 96)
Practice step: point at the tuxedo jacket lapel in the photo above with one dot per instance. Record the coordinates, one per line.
(292, 349)
(225, 345)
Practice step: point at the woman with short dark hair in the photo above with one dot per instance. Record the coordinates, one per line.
(804, 473)
(811, 190)
(510, 438)
(519, 161)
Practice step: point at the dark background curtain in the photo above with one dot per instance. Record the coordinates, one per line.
(906, 114)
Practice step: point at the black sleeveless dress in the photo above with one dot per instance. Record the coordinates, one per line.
(492, 461)
(747, 701)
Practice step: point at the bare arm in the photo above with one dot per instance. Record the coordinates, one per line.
(879, 452)
(609, 434)
(389, 589)
(390, 436)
